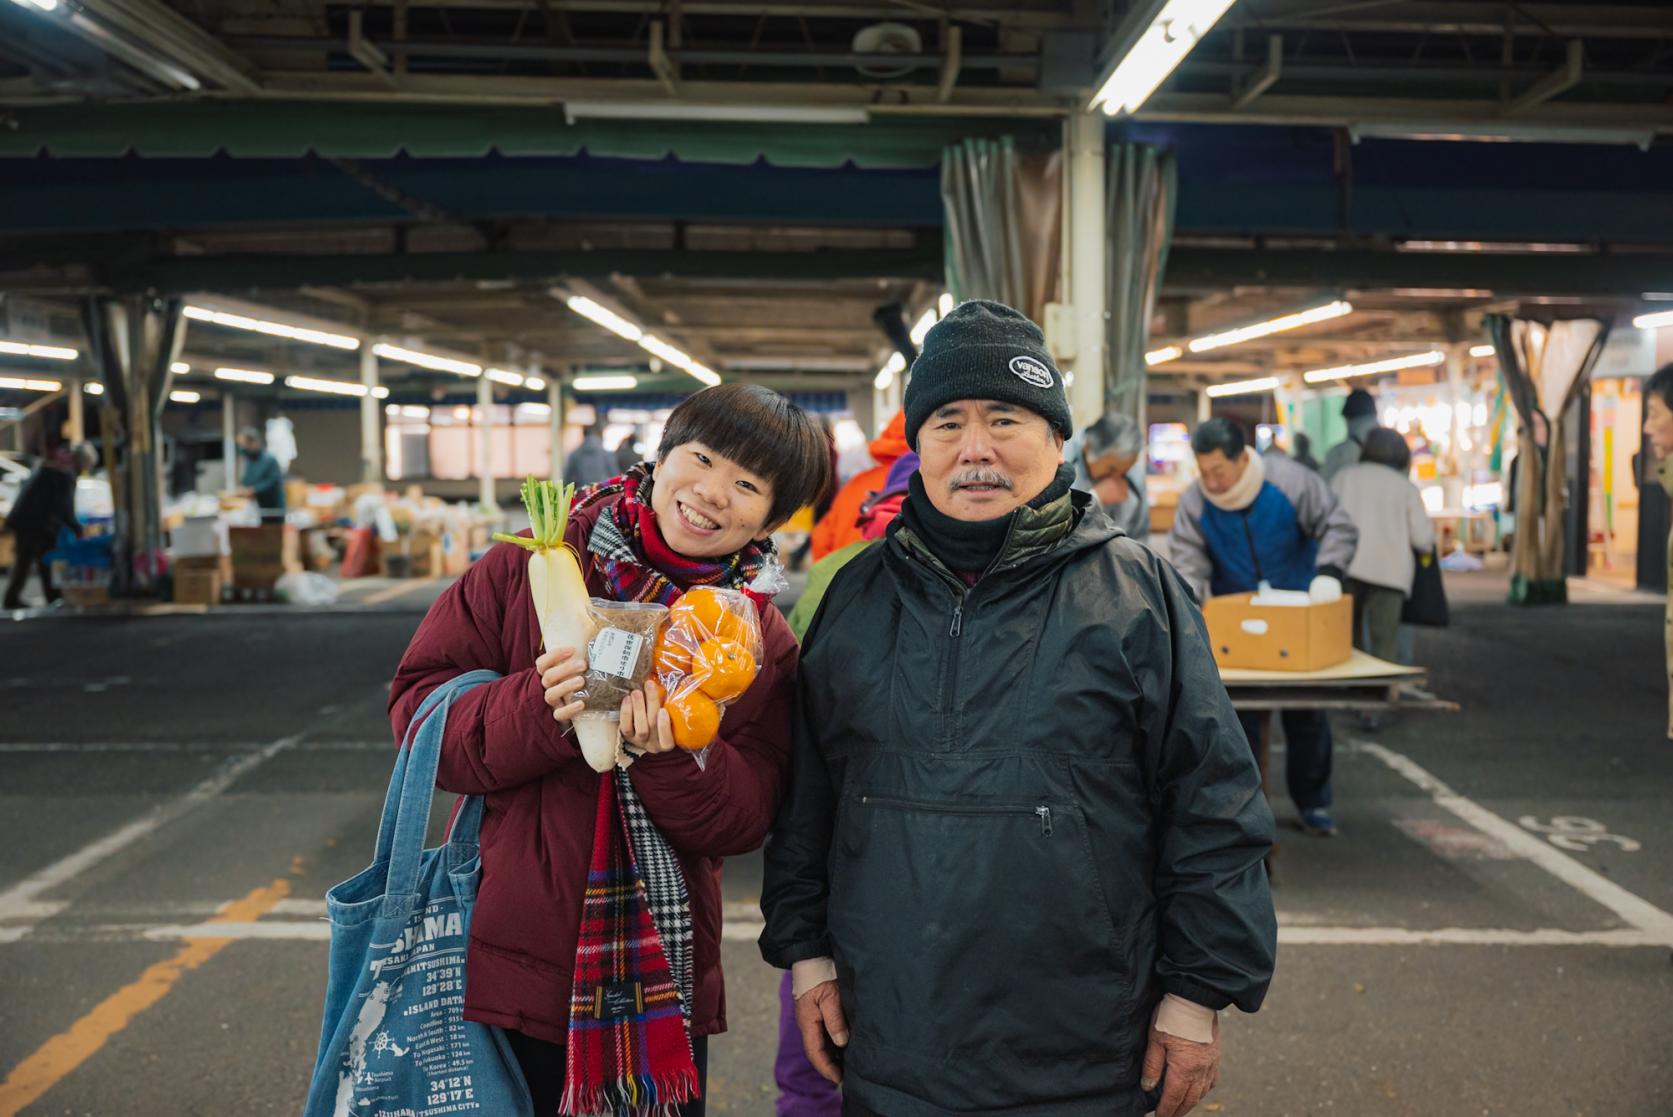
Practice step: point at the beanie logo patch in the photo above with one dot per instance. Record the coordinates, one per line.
(1031, 371)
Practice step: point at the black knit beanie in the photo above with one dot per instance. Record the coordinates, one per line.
(985, 350)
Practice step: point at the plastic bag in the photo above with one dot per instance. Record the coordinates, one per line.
(306, 589)
(620, 657)
(707, 655)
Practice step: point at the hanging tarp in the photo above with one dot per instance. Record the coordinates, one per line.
(1544, 364)
(1003, 210)
(284, 129)
(1143, 187)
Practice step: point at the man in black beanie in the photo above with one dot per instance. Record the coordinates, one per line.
(1020, 865)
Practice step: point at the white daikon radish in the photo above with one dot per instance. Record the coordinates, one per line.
(561, 599)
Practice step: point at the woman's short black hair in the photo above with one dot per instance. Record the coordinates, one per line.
(1661, 384)
(761, 431)
(1383, 446)
(1219, 434)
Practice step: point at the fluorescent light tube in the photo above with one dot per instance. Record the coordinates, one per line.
(1393, 364)
(886, 375)
(184, 397)
(431, 361)
(1178, 27)
(1163, 355)
(244, 375)
(1482, 351)
(272, 329)
(1273, 326)
(605, 383)
(180, 368)
(24, 384)
(1657, 321)
(93, 389)
(945, 304)
(334, 387)
(538, 383)
(505, 376)
(657, 347)
(604, 316)
(750, 114)
(29, 349)
(1243, 387)
(921, 330)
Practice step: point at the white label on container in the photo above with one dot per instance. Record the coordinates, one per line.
(1255, 627)
(614, 652)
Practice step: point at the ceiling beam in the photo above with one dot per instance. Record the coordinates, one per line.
(171, 37)
(1505, 274)
(1554, 84)
(499, 89)
(1266, 78)
(1039, 17)
(1555, 120)
(1456, 17)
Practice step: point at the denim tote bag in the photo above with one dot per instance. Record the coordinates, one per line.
(395, 1042)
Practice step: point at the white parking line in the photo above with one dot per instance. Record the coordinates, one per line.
(190, 746)
(744, 930)
(1457, 936)
(1634, 910)
(18, 904)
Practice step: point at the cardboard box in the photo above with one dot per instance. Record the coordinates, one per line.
(1279, 637)
(197, 586)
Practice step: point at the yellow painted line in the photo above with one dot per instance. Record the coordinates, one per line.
(406, 586)
(63, 1053)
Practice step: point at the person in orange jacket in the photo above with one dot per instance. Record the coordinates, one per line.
(840, 526)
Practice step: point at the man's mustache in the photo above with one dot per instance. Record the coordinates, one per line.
(974, 477)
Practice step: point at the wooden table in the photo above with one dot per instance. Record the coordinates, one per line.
(1363, 683)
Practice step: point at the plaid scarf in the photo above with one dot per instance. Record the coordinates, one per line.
(629, 1050)
(639, 565)
(629, 1044)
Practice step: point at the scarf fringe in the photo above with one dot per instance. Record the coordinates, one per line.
(639, 1095)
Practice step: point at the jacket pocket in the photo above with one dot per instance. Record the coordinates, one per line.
(977, 951)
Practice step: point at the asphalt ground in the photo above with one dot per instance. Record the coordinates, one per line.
(1489, 934)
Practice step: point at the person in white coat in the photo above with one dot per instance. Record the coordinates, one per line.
(1393, 527)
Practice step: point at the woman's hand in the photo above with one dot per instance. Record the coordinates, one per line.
(562, 673)
(645, 724)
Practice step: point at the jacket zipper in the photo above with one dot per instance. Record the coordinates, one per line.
(1042, 812)
(1249, 534)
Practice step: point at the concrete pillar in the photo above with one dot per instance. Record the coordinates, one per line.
(1456, 477)
(229, 440)
(135, 339)
(371, 429)
(1087, 250)
(485, 441)
(77, 426)
(554, 420)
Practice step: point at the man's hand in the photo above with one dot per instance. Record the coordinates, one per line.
(818, 1016)
(1186, 1070)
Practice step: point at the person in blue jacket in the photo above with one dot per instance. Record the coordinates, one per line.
(1251, 519)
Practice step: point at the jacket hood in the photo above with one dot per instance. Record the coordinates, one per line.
(891, 445)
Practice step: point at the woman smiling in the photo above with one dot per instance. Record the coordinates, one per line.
(735, 462)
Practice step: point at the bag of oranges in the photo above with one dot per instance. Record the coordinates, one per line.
(708, 652)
